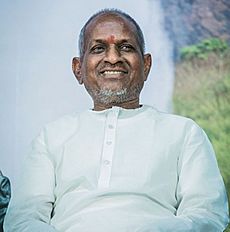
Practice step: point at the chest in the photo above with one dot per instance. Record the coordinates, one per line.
(128, 155)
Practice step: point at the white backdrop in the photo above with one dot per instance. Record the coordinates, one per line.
(37, 42)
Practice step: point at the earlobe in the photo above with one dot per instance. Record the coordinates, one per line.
(147, 64)
(76, 67)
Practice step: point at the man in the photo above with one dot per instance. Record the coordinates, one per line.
(122, 166)
(4, 197)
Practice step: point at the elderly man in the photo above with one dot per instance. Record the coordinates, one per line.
(122, 166)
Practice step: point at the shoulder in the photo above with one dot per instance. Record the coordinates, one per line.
(57, 132)
(172, 125)
(66, 122)
(164, 119)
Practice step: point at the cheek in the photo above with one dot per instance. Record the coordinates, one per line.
(89, 63)
(138, 66)
(136, 61)
(89, 73)
(89, 66)
(138, 75)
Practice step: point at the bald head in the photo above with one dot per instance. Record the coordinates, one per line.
(104, 15)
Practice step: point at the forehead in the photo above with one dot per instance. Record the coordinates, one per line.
(110, 25)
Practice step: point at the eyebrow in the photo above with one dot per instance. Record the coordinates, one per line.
(103, 41)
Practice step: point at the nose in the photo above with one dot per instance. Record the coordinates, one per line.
(113, 55)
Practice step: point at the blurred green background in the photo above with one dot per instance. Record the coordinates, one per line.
(202, 92)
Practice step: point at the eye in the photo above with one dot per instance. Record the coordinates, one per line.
(126, 48)
(97, 49)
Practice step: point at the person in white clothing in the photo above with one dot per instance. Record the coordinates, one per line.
(121, 166)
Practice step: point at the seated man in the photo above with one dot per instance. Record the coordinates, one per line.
(4, 197)
(122, 166)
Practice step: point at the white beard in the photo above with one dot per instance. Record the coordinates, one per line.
(108, 96)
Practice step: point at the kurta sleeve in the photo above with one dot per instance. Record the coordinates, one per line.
(201, 195)
(32, 201)
(201, 192)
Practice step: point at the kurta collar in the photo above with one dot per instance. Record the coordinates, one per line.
(122, 112)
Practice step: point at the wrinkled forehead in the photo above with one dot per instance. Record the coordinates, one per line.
(109, 21)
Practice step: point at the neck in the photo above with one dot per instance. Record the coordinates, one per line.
(132, 104)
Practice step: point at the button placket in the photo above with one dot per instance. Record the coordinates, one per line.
(110, 126)
(108, 148)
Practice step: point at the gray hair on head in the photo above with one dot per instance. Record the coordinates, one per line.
(139, 35)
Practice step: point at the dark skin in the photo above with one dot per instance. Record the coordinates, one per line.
(112, 62)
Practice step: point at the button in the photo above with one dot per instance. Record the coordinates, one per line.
(106, 162)
(109, 142)
(111, 126)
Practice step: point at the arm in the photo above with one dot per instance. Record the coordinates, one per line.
(201, 192)
(201, 196)
(32, 200)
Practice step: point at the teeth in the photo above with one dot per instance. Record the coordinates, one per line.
(112, 72)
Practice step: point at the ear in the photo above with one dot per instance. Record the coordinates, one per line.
(76, 67)
(147, 64)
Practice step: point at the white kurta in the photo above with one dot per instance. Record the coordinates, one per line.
(120, 170)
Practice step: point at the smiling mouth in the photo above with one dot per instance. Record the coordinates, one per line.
(113, 73)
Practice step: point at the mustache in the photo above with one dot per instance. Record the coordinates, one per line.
(116, 66)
